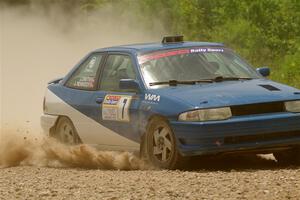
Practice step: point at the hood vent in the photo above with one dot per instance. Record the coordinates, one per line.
(270, 87)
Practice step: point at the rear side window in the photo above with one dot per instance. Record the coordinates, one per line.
(117, 67)
(85, 76)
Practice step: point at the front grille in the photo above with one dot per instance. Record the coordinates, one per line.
(261, 137)
(260, 108)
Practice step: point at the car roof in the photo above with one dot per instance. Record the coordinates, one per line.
(149, 47)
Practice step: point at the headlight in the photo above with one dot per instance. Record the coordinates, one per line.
(292, 106)
(206, 114)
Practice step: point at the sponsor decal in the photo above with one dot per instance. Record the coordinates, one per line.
(112, 99)
(144, 58)
(91, 65)
(152, 97)
(116, 108)
(87, 82)
(200, 50)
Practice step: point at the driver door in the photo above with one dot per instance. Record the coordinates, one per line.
(118, 109)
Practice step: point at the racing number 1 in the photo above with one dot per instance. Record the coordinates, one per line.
(123, 108)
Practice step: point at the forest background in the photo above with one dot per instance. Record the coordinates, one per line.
(265, 32)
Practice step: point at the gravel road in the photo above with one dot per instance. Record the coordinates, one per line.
(223, 178)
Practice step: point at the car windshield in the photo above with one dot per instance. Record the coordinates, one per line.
(194, 65)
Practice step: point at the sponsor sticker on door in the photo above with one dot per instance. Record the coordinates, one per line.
(116, 108)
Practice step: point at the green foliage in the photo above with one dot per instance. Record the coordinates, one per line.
(245, 38)
(289, 72)
(265, 32)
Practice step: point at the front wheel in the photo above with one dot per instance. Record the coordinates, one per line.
(65, 132)
(160, 145)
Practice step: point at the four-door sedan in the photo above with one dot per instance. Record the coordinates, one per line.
(173, 100)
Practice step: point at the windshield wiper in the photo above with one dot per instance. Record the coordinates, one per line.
(193, 82)
(176, 82)
(222, 78)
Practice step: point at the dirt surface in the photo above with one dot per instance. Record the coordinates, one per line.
(34, 166)
(223, 178)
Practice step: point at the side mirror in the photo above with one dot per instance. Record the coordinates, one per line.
(264, 71)
(129, 84)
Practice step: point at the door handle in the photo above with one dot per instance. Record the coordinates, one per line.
(99, 100)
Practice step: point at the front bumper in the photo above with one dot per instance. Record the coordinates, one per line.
(255, 133)
(47, 122)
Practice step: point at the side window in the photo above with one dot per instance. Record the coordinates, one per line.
(85, 76)
(117, 67)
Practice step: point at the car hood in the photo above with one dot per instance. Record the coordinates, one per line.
(229, 93)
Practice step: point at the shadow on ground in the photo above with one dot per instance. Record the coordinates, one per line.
(236, 163)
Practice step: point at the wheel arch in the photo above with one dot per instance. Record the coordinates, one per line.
(53, 129)
(144, 130)
(153, 116)
(177, 160)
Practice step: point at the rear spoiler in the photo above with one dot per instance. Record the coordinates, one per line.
(55, 81)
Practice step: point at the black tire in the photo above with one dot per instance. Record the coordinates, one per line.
(288, 157)
(159, 145)
(65, 132)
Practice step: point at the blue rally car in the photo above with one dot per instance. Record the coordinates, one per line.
(173, 100)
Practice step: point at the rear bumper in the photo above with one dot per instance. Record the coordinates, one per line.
(256, 133)
(47, 122)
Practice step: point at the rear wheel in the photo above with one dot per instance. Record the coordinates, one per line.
(65, 131)
(291, 156)
(160, 145)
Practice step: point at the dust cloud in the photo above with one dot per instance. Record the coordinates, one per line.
(21, 148)
(38, 45)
